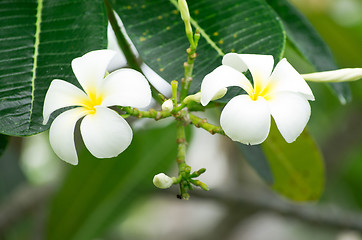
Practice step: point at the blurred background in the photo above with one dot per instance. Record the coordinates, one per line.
(30, 173)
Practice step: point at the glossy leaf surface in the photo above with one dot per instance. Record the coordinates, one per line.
(156, 29)
(39, 39)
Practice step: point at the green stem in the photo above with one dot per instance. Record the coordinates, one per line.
(202, 123)
(179, 108)
(184, 169)
(126, 47)
(181, 145)
(152, 113)
(189, 65)
(174, 85)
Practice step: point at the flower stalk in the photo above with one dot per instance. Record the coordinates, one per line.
(189, 65)
(152, 113)
(202, 123)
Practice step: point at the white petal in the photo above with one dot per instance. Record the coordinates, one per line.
(245, 120)
(126, 87)
(91, 68)
(105, 133)
(340, 75)
(260, 66)
(61, 134)
(286, 78)
(61, 94)
(291, 112)
(158, 82)
(222, 77)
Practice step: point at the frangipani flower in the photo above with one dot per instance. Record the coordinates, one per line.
(282, 94)
(105, 133)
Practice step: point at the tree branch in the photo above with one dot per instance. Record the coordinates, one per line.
(329, 216)
(28, 198)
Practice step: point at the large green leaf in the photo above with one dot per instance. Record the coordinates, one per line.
(255, 156)
(98, 191)
(309, 43)
(156, 29)
(297, 167)
(4, 140)
(38, 41)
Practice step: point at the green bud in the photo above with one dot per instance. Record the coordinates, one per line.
(187, 169)
(185, 196)
(184, 10)
(204, 186)
(219, 94)
(192, 98)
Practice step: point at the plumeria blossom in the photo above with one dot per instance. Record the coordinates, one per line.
(105, 133)
(281, 93)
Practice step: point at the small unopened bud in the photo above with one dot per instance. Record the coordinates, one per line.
(195, 98)
(162, 181)
(341, 75)
(204, 186)
(184, 10)
(167, 106)
(219, 94)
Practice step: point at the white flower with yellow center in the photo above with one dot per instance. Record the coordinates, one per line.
(105, 133)
(282, 94)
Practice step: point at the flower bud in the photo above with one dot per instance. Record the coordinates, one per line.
(219, 94)
(162, 181)
(195, 98)
(184, 10)
(341, 75)
(167, 106)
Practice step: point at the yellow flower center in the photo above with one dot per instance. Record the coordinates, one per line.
(258, 91)
(92, 101)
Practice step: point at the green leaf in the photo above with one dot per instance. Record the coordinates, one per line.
(297, 167)
(255, 156)
(4, 140)
(156, 29)
(309, 43)
(98, 191)
(39, 39)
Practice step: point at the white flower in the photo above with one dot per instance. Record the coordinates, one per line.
(163, 181)
(282, 93)
(340, 75)
(105, 133)
(167, 106)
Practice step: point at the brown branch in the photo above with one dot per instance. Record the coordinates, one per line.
(27, 198)
(328, 216)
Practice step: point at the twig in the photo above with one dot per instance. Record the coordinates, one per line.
(328, 216)
(28, 198)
